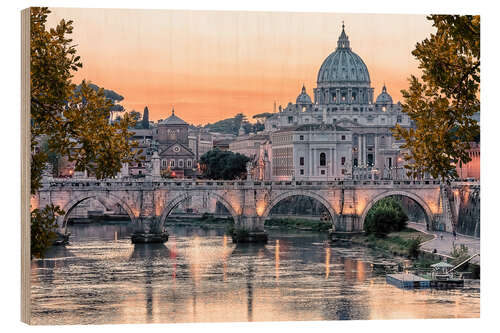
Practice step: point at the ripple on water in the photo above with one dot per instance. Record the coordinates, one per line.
(199, 275)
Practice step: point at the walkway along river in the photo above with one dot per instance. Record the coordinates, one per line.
(199, 275)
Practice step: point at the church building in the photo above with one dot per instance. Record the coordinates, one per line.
(344, 103)
(173, 146)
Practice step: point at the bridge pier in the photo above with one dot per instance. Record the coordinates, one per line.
(249, 229)
(149, 230)
(348, 223)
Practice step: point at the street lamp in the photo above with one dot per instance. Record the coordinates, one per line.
(399, 159)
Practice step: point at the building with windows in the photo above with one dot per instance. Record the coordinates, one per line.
(200, 142)
(311, 152)
(472, 169)
(173, 147)
(256, 146)
(343, 98)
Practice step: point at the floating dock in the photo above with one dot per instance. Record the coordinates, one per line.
(408, 281)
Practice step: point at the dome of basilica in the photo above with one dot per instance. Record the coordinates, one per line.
(303, 98)
(384, 97)
(343, 65)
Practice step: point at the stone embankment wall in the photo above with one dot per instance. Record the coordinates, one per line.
(469, 213)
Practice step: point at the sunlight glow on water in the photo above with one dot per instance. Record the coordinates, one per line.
(201, 276)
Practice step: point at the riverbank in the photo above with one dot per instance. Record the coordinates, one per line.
(297, 224)
(396, 243)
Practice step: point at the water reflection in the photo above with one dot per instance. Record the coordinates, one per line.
(199, 275)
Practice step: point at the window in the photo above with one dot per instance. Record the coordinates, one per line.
(355, 120)
(343, 137)
(355, 163)
(301, 161)
(342, 160)
(181, 163)
(343, 171)
(370, 159)
(301, 171)
(290, 119)
(172, 163)
(164, 163)
(399, 119)
(139, 165)
(322, 172)
(322, 159)
(301, 137)
(188, 163)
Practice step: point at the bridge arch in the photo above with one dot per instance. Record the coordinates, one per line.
(104, 198)
(421, 202)
(309, 194)
(180, 198)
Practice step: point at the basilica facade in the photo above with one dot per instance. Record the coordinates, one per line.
(343, 130)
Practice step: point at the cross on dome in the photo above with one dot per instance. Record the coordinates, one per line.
(343, 42)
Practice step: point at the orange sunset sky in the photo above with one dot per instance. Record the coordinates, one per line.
(212, 65)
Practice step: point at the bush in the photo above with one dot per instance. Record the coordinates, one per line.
(43, 229)
(414, 247)
(385, 216)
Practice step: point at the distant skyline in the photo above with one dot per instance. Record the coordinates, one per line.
(211, 65)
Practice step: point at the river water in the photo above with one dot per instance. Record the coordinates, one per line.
(199, 275)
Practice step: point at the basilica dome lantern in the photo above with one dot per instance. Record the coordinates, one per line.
(303, 100)
(384, 100)
(343, 77)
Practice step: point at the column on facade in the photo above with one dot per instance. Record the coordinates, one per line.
(364, 149)
(309, 151)
(332, 163)
(359, 150)
(329, 164)
(349, 96)
(314, 162)
(335, 166)
(375, 138)
(337, 93)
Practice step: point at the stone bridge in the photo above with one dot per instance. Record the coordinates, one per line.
(149, 202)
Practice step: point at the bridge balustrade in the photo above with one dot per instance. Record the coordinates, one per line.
(121, 183)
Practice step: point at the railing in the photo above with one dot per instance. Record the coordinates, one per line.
(198, 183)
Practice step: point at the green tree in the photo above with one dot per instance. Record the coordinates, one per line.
(73, 122)
(443, 102)
(414, 247)
(386, 215)
(136, 116)
(43, 226)
(229, 125)
(111, 95)
(145, 118)
(218, 164)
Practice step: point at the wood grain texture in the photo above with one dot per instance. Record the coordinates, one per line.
(25, 168)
